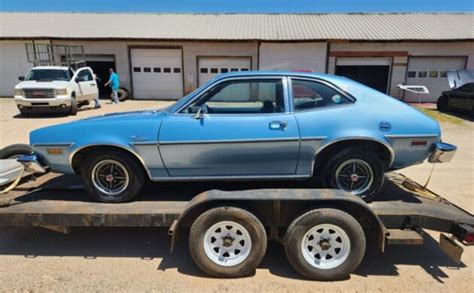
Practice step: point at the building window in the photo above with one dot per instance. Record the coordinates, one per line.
(204, 70)
(224, 70)
(422, 74)
(244, 69)
(214, 70)
(167, 70)
(234, 69)
(176, 70)
(433, 74)
(443, 74)
(411, 74)
(146, 69)
(137, 69)
(156, 69)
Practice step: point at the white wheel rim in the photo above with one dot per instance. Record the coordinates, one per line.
(325, 246)
(227, 243)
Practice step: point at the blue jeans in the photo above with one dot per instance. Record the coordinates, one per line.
(114, 96)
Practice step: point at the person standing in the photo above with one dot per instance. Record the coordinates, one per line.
(96, 99)
(114, 85)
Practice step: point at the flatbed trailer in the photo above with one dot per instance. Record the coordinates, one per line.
(254, 213)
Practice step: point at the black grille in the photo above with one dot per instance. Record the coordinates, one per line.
(39, 93)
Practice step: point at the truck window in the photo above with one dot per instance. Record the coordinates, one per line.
(47, 75)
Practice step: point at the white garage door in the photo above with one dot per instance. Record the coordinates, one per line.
(211, 66)
(292, 56)
(431, 72)
(157, 73)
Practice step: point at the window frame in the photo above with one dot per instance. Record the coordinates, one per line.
(343, 93)
(283, 79)
(85, 70)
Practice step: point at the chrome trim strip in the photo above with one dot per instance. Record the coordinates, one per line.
(395, 136)
(144, 143)
(245, 140)
(59, 144)
(313, 138)
(71, 156)
(388, 146)
(229, 177)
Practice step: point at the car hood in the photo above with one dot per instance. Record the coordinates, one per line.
(42, 84)
(121, 116)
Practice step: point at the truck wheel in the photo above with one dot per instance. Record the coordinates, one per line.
(74, 107)
(122, 94)
(356, 171)
(227, 242)
(15, 151)
(325, 244)
(112, 176)
(25, 113)
(442, 104)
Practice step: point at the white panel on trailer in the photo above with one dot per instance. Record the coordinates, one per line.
(431, 72)
(157, 73)
(292, 56)
(208, 67)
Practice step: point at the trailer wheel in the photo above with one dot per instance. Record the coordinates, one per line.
(227, 242)
(325, 244)
(15, 151)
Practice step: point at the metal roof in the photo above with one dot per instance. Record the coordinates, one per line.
(265, 27)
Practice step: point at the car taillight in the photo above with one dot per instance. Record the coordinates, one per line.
(469, 238)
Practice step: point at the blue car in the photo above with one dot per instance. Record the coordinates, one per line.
(248, 126)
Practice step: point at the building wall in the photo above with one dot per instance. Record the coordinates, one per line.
(13, 63)
(291, 56)
(400, 52)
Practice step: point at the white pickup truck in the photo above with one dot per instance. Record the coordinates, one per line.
(55, 88)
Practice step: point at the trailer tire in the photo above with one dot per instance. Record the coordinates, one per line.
(339, 241)
(245, 242)
(127, 170)
(15, 151)
(122, 94)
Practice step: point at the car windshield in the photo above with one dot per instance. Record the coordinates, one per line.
(48, 75)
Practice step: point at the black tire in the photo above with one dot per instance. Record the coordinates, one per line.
(442, 103)
(14, 151)
(302, 225)
(25, 113)
(74, 107)
(130, 165)
(242, 217)
(122, 94)
(363, 156)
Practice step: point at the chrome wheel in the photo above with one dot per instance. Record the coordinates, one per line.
(110, 177)
(354, 176)
(227, 243)
(325, 246)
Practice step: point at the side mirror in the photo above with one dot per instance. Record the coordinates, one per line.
(21, 78)
(79, 79)
(201, 112)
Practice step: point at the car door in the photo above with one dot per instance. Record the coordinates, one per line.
(238, 127)
(88, 86)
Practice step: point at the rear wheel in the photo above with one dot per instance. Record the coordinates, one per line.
(355, 170)
(325, 244)
(442, 104)
(227, 242)
(112, 176)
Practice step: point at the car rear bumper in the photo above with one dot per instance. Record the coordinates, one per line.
(442, 153)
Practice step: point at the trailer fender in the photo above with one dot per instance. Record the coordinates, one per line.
(311, 198)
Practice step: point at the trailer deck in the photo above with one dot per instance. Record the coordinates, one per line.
(58, 200)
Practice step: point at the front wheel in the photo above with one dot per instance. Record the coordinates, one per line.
(227, 242)
(356, 171)
(112, 176)
(74, 106)
(442, 104)
(325, 244)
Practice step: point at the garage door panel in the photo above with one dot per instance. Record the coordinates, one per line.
(431, 72)
(157, 73)
(208, 67)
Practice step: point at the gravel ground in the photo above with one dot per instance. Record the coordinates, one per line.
(130, 259)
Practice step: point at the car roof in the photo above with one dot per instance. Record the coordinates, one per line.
(324, 76)
(51, 67)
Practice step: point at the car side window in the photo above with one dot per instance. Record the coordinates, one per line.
(241, 97)
(85, 74)
(312, 94)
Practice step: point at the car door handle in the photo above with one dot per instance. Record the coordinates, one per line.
(278, 125)
(92, 84)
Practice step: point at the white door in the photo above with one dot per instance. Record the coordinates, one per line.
(157, 74)
(88, 86)
(208, 67)
(431, 72)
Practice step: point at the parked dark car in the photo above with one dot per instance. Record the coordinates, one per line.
(461, 97)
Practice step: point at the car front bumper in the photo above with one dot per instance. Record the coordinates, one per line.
(442, 153)
(57, 102)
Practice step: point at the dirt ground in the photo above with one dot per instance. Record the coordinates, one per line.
(130, 259)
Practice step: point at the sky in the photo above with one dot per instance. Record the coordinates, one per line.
(239, 6)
